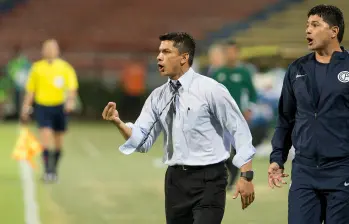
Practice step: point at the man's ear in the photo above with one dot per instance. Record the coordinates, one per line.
(335, 31)
(185, 58)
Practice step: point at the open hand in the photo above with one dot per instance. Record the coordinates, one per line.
(246, 190)
(276, 175)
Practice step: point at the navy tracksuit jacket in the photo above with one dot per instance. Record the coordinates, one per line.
(317, 125)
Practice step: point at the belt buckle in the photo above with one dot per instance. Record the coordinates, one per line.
(183, 167)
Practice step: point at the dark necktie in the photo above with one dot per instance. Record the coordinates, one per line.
(170, 116)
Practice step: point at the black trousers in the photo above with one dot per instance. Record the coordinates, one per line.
(195, 195)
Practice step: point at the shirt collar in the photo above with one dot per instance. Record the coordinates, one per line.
(185, 79)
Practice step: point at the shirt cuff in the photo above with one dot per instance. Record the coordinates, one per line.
(244, 156)
(132, 143)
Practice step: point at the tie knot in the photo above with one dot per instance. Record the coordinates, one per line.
(175, 85)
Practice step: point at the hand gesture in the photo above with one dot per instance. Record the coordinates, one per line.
(246, 190)
(111, 114)
(276, 175)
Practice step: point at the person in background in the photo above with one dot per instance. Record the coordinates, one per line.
(5, 88)
(133, 83)
(52, 85)
(238, 80)
(17, 69)
(216, 57)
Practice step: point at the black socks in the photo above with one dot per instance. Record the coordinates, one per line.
(56, 156)
(50, 160)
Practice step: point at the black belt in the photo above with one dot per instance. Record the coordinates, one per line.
(186, 167)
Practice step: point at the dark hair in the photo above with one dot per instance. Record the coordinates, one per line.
(231, 42)
(332, 15)
(183, 42)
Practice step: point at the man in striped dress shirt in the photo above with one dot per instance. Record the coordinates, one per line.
(193, 111)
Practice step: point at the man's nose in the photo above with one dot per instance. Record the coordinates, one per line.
(308, 30)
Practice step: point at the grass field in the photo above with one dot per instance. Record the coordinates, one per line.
(99, 185)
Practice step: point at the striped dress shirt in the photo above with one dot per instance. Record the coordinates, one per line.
(206, 118)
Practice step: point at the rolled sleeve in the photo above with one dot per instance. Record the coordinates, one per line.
(231, 119)
(244, 156)
(132, 143)
(146, 128)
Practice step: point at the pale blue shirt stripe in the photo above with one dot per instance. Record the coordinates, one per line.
(209, 119)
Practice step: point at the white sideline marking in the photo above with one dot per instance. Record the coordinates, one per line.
(31, 209)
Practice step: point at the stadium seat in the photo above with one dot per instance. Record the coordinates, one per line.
(286, 28)
(92, 25)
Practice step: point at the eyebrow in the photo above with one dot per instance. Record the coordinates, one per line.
(313, 21)
(164, 49)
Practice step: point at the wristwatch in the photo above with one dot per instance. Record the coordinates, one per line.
(248, 175)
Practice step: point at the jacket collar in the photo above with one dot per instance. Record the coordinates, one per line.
(337, 55)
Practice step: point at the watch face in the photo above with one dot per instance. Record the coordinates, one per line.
(248, 175)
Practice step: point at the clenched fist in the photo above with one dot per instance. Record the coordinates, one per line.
(111, 114)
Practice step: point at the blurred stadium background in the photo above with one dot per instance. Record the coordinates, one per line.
(113, 46)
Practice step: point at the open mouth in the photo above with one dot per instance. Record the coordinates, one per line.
(310, 41)
(161, 68)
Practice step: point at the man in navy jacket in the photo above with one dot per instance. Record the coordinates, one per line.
(314, 118)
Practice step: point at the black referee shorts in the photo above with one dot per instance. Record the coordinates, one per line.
(52, 117)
